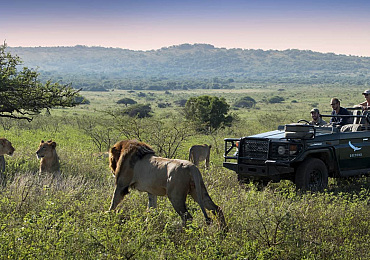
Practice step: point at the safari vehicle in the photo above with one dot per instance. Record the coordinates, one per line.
(302, 153)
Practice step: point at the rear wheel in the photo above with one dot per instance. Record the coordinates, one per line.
(312, 175)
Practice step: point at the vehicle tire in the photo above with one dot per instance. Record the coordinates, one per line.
(312, 175)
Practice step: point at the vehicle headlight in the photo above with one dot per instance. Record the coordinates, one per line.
(281, 150)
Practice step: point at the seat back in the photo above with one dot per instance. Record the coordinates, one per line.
(357, 120)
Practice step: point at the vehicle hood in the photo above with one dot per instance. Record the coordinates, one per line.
(276, 134)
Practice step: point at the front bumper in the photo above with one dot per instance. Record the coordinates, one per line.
(270, 168)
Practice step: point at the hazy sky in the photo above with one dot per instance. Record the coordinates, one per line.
(339, 26)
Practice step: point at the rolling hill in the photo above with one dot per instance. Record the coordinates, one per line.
(122, 68)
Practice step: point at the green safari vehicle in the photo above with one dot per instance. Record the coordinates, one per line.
(302, 153)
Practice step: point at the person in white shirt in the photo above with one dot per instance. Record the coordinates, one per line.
(366, 104)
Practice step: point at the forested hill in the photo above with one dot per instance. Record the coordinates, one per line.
(114, 67)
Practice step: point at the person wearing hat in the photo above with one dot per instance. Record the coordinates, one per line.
(337, 120)
(316, 118)
(365, 105)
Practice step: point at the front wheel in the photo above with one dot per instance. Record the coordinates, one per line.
(312, 175)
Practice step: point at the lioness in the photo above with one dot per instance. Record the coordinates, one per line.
(5, 148)
(135, 166)
(49, 159)
(198, 153)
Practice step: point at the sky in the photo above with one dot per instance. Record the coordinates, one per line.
(337, 26)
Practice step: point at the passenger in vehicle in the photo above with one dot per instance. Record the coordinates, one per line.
(366, 104)
(316, 118)
(338, 110)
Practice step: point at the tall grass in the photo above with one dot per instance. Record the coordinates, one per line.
(43, 217)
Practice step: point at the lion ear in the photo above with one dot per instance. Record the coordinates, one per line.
(53, 144)
(42, 141)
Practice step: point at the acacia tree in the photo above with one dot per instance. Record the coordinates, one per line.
(22, 95)
(126, 101)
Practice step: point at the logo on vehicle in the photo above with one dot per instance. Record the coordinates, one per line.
(354, 147)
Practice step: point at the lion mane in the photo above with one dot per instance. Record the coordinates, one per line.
(135, 166)
(130, 150)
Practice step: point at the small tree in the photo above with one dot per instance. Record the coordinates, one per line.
(208, 113)
(126, 101)
(246, 101)
(138, 110)
(22, 95)
(166, 136)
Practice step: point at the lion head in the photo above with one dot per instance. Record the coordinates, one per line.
(6, 147)
(46, 149)
(131, 150)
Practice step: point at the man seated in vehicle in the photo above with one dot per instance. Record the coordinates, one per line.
(316, 118)
(338, 110)
(366, 104)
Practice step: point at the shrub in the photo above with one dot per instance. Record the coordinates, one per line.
(275, 99)
(246, 102)
(138, 110)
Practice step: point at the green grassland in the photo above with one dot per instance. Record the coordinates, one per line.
(47, 218)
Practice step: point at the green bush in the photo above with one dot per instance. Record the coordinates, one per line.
(246, 102)
(275, 99)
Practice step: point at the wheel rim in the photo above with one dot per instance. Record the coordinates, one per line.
(315, 180)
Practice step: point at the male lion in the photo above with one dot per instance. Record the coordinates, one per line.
(49, 159)
(5, 148)
(135, 166)
(199, 153)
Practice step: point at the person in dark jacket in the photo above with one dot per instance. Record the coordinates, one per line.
(338, 110)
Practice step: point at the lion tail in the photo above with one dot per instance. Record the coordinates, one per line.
(198, 180)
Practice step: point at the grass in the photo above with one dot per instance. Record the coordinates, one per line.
(66, 218)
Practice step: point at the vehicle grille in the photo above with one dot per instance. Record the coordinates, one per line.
(255, 149)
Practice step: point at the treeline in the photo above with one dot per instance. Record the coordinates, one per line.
(190, 66)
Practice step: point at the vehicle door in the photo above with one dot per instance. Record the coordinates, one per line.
(354, 151)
